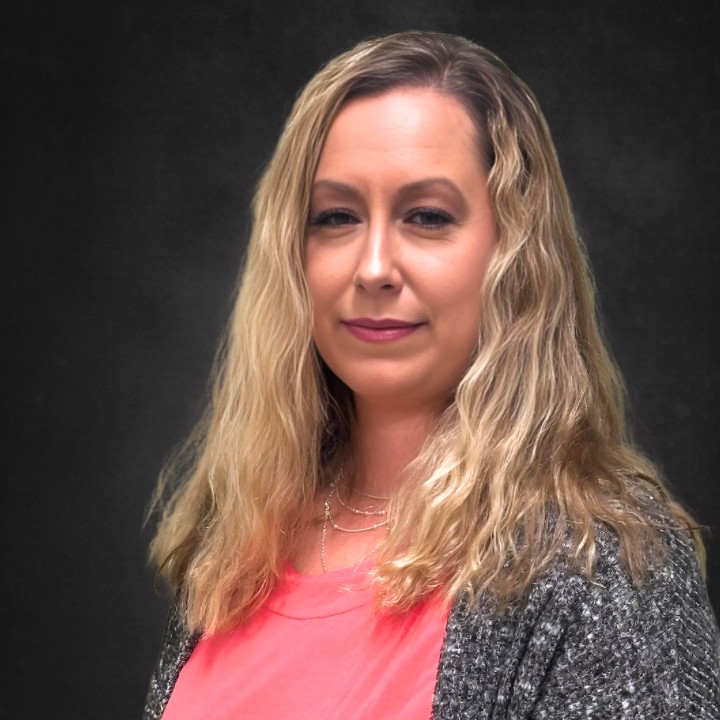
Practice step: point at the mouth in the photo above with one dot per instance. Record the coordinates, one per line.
(380, 330)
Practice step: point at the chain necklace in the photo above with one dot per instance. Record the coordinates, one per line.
(328, 519)
(372, 497)
(357, 511)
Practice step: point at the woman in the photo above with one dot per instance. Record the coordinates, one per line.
(412, 492)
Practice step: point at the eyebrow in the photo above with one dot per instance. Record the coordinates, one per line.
(407, 189)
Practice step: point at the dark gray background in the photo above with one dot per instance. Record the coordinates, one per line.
(134, 132)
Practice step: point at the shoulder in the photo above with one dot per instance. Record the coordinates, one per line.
(652, 649)
(576, 644)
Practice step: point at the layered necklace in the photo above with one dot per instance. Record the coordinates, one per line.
(328, 518)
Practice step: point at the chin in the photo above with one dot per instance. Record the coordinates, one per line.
(391, 393)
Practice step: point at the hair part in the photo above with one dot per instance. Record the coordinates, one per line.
(530, 455)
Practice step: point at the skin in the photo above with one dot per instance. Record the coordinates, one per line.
(401, 231)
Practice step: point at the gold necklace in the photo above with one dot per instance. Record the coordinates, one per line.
(372, 497)
(328, 518)
(357, 511)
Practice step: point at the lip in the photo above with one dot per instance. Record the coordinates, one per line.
(380, 330)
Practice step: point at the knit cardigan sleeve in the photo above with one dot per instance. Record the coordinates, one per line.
(651, 653)
(579, 649)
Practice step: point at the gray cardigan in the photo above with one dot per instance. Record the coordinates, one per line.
(575, 649)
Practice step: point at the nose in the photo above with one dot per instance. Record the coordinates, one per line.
(377, 264)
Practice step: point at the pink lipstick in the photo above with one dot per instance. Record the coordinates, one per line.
(383, 330)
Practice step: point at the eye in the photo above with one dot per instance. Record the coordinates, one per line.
(429, 217)
(334, 217)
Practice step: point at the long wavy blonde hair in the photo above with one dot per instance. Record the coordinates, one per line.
(531, 453)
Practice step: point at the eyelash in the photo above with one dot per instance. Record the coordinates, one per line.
(325, 217)
(329, 217)
(442, 218)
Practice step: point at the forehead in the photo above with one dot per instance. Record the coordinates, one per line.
(418, 125)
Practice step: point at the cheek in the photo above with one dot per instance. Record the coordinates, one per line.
(322, 287)
(460, 298)
(459, 289)
(322, 277)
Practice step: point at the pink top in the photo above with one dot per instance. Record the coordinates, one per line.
(316, 650)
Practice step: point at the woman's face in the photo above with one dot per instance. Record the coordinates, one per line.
(399, 237)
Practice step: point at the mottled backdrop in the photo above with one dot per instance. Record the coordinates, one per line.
(134, 133)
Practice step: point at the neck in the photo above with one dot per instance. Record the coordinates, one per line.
(385, 440)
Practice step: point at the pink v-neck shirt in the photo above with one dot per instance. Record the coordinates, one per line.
(316, 650)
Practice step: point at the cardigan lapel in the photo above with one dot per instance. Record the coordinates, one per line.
(177, 646)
